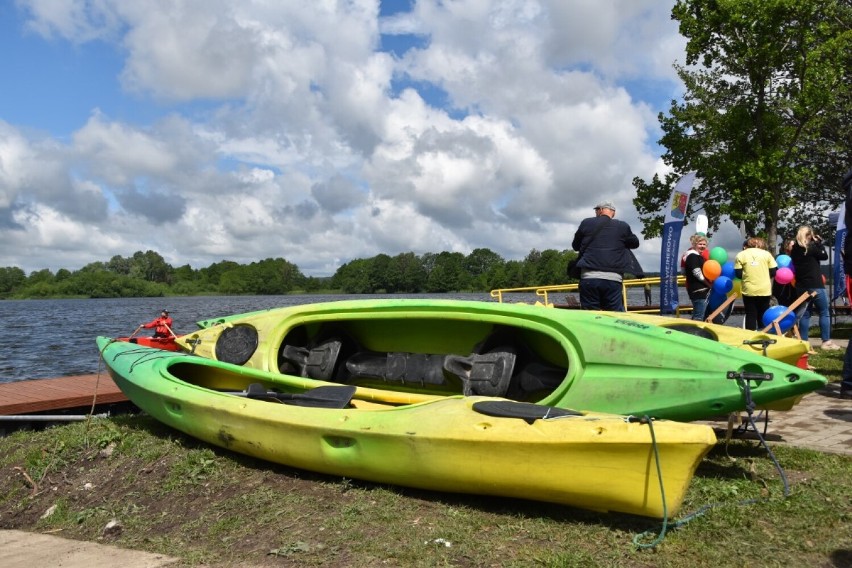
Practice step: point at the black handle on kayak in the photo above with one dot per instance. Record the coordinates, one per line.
(749, 376)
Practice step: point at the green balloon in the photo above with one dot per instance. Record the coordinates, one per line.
(719, 254)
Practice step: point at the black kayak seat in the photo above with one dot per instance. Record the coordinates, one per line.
(487, 374)
(526, 411)
(419, 369)
(317, 362)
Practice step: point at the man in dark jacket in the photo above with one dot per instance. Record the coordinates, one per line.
(604, 244)
(846, 187)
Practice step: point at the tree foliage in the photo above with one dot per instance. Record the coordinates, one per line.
(765, 117)
(148, 274)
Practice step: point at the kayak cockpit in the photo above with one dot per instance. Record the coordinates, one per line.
(430, 356)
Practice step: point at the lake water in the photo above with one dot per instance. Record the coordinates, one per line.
(56, 338)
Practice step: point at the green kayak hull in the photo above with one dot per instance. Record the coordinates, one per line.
(600, 361)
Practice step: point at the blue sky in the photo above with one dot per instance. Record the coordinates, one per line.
(210, 130)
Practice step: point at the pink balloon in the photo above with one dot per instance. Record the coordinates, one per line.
(783, 275)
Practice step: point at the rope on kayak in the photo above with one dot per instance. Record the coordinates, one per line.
(662, 534)
(749, 407)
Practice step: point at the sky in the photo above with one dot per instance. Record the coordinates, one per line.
(325, 131)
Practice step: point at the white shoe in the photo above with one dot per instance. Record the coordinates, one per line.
(830, 345)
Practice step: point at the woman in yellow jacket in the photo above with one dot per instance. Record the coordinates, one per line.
(756, 267)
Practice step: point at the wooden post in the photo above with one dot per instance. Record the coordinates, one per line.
(721, 308)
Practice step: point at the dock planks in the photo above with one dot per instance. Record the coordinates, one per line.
(42, 395)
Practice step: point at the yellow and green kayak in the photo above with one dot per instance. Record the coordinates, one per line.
(461, 444)
(601, 361)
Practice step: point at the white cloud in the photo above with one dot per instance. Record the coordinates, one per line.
(284, 132)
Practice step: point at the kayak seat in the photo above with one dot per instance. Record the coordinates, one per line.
(487, 374)
(318, 355)
(421, 369)
(316, 362)
(533, 377)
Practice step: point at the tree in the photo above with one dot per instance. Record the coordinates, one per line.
(765, 81)
(150, 266)
(407, 273)
(483, 265)
(11, 279)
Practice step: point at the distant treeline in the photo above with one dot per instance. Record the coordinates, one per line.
(147, 274)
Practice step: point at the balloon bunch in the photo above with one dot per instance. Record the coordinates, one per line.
(720, 272)
(784, 275)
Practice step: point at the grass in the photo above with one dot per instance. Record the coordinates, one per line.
(177, 496)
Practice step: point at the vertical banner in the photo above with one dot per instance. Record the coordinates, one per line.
(675, 215)
(839, 288)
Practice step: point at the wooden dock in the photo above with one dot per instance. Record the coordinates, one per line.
(59, 395)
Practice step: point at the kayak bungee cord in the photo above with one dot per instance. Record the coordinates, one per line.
(749, 408)
(650, 422)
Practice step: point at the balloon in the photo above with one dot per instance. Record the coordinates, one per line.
(719, 254)
(728, 270)
(784, 275)
(705, 254)
(722, 285)
(712, 270)
(774, 312)
(784, 261)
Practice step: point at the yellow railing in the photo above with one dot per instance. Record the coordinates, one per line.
(544, 292)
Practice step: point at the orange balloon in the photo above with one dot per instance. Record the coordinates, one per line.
(711, 269)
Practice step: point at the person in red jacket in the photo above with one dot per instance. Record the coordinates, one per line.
(162, 325)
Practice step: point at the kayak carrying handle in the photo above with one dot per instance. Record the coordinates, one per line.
(764, 343)
(744, 376)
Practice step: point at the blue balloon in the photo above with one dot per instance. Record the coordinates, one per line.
(784, 260)
(728, 270)
(715, 300)
(773, 313)
(722, 285)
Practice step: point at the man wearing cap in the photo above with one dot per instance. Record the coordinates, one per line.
(162, 325)
(604, 244)
(846, 373)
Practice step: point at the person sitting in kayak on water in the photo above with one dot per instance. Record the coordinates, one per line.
(162, 325)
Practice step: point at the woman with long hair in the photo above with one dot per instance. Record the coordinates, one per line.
(807, 253)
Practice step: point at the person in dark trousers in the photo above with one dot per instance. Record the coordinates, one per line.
(162, 325)
(604, 244)
(697, 285)
(846, 373)
(807, 253)
(756, 267)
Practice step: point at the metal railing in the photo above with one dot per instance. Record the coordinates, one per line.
(545, 293)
